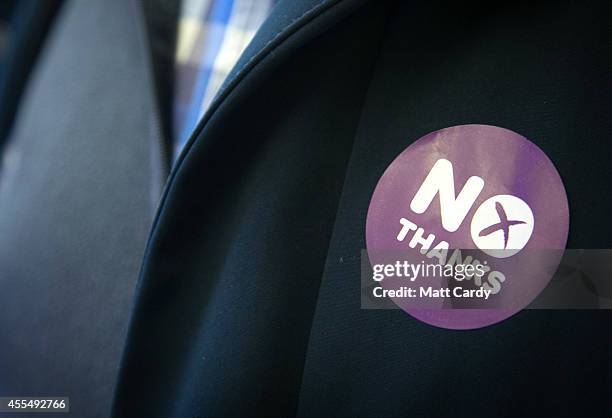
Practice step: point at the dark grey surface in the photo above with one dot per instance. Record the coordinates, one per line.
(75, 209)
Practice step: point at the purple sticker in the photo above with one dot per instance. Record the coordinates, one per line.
(480, 189)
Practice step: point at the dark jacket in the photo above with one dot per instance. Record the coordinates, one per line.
(244, 300)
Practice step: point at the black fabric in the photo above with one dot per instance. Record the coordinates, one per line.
(75, 209)
(542, 71)
(248, 298)
(249, 239)
(233, 197)
(26, 26)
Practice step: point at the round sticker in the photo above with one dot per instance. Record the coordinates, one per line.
(467, 226)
